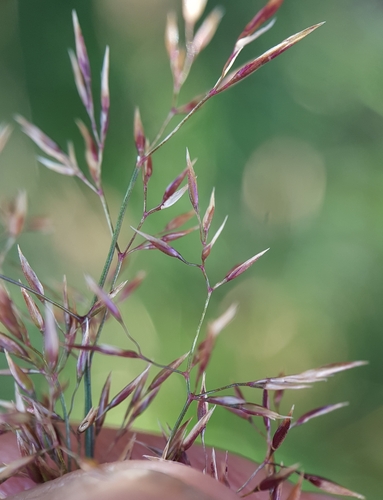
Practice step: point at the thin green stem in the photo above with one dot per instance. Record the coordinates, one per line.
(167, 120)
(118, 227)
(189, 364)
(190, 357)
(179, 420)
(223, 388)
(67, 426)
(82, 177)
(182, 122)
(89, 433)
(108, 218)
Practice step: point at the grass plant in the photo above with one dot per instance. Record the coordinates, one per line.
(50, 444)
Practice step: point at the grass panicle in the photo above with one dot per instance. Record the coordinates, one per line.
(50, 444)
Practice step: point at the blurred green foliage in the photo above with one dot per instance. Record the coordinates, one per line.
(295, 153)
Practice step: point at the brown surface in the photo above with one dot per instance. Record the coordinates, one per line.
(137, 479)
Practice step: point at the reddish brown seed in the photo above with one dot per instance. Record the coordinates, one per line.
(258, 410)
(197, 430)
(263, 15)
(331, 487)
(107, 349)
(295, 493)
(174, 198)
(83, 356)
(174, 185)
(103, 403)
(7, 344)
(249, 408)
(78, 78)
(44, 142)
(192, 183)
(141, 405)
(207, 248)
(91, 153)
(125, 392)
(178, 234)
(281, 432)
(138, 391)
(81, 52)
(104, 298)
(276, 493)
(166, 372)
(240, 268)
(202, 407)
(239, 46)
(302, 380)
(178, 221)
(275, 479)
(139, 134)
(8, 315)
(131, 286)
(21, 378)
(51, 339)
(148, 168)
(105, 98)
(88, 420)
(30, 275)
(161, 245)
(33, 310)
(266, 404)
(317, 412)
(173, 448)
(208, 217)
(252, 66)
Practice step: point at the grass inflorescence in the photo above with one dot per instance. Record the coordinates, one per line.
(49, 443)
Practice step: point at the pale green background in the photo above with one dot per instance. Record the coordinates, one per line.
(295, 154)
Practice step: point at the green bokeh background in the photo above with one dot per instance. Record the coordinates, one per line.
(295, 154)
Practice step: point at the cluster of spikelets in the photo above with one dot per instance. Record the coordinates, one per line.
(45, 436)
